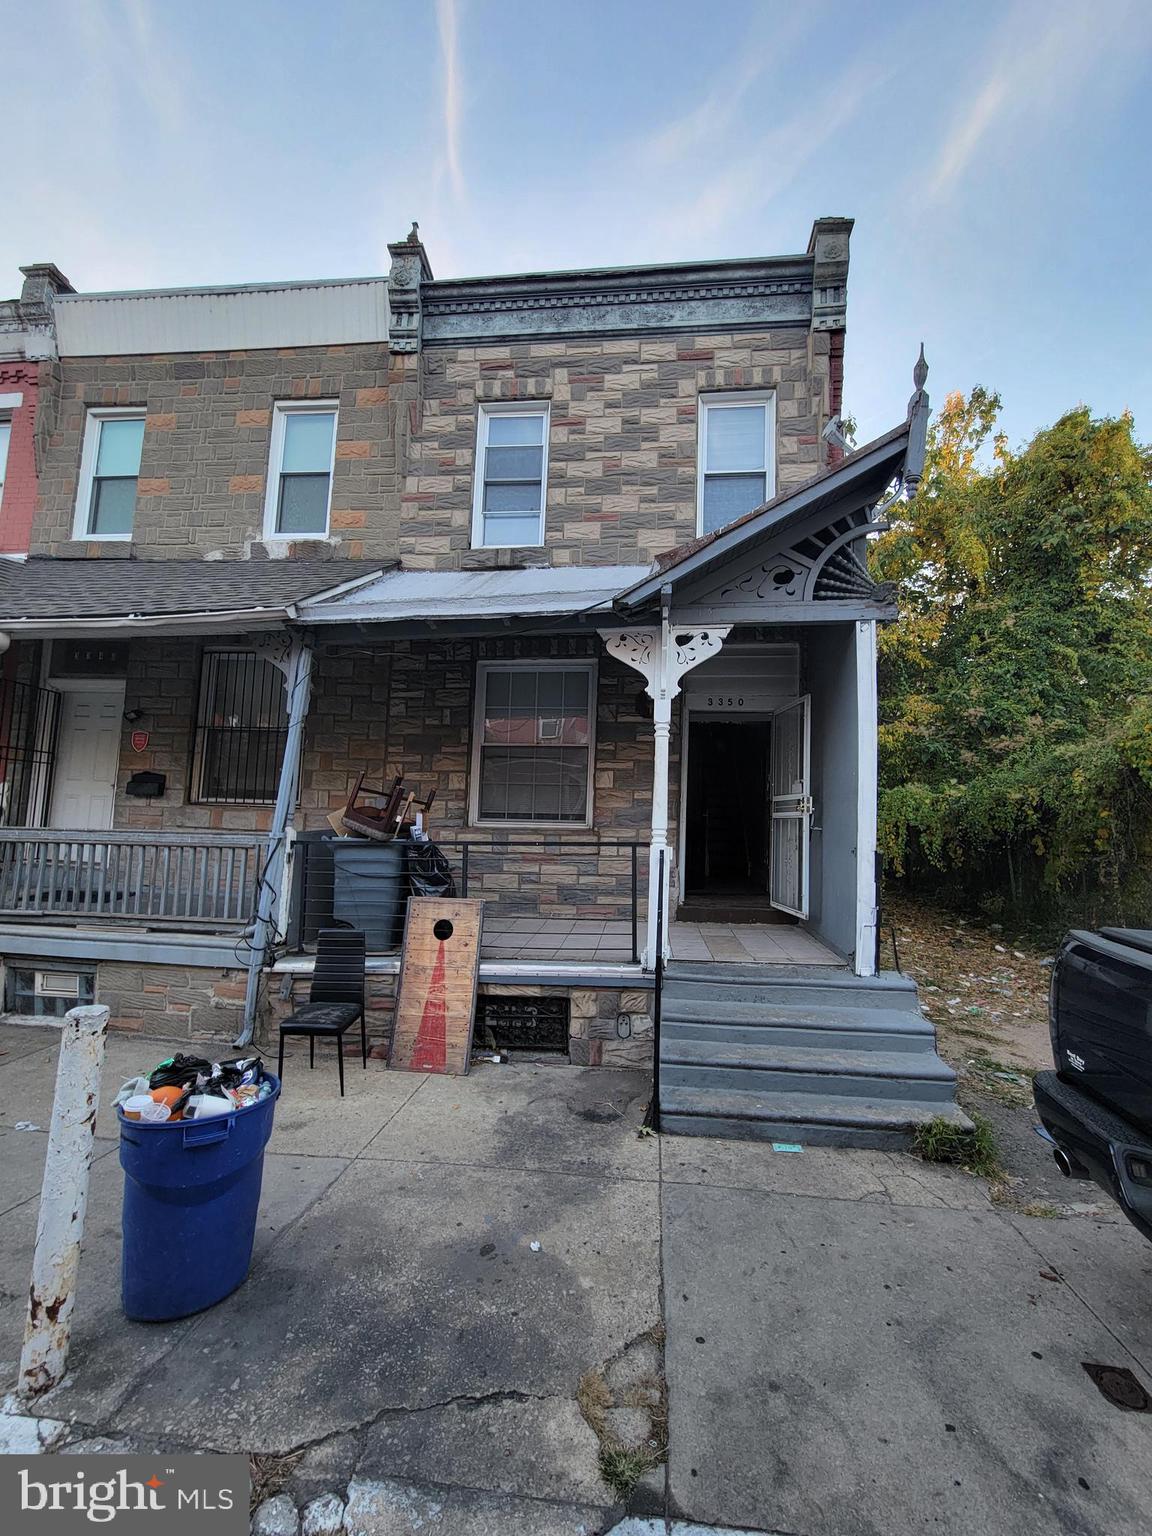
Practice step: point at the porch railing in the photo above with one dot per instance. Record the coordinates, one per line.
(548, 898)
(190, 879)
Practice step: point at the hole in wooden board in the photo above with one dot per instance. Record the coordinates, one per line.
(442, 929)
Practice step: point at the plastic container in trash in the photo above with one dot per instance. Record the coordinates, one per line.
(191, 1194)
(370, 890)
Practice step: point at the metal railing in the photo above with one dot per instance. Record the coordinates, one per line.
(192, 879)
(29, 729)
(548, 898)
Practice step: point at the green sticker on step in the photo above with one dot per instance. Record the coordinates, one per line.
(787, 1146)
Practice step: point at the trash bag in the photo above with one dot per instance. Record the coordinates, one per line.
(429, 872)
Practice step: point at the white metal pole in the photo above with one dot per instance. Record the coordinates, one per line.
(299, 693)
(63, 1200)
(662, 691)
(867, 777)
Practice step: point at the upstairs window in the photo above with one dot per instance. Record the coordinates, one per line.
(511, 476)
(736, 470)
(241, 728)
(300, 470)
(5, 436)
(533, 744)
(109, 471)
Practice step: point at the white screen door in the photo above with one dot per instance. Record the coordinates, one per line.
(791, 808)
(87, 758)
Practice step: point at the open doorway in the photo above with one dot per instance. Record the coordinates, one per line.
(727, 822)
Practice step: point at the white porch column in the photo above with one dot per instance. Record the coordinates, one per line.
(294, 658)
(867, 777)
(662, 657)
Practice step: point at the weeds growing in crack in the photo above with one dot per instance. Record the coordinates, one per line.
(625, 1382)
(270, 1474)
(974, 1150)
(622, 1467)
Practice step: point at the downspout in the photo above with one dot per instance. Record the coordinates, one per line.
(298, 683)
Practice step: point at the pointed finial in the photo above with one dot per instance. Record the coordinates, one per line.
(920, 372)
(414, 239)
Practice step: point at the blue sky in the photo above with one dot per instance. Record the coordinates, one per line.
(995, 158)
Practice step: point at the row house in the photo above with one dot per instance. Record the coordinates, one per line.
(579, 555)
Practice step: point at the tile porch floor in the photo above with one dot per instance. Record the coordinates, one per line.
(584, 940)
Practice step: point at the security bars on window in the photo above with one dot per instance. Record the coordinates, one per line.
(241, 729)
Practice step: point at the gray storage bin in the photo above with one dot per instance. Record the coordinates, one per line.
(370, 890)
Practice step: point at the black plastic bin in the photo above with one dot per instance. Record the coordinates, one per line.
(370, 890)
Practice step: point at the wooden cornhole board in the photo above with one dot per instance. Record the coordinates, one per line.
(436, 1001)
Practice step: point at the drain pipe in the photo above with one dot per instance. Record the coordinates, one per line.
(298, 685)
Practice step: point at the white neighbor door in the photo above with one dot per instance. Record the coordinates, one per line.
(87, 758)
(791, 808)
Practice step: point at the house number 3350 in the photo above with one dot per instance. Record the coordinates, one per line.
(725, 701)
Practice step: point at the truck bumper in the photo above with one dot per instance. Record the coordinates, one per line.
(1110, 1150)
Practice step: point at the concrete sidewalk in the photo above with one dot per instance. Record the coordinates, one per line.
(856, 1342)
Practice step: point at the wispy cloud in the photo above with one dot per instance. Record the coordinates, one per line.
(738, 173)
(447, 25)
(1035, 62)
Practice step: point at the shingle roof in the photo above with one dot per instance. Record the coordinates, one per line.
(79, 589)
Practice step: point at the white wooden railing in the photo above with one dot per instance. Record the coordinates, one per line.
(198, 879)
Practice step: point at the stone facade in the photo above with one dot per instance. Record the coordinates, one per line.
(185, 1002)
(606, 1028)
(387, 709)
(206, 446)
(622, 437)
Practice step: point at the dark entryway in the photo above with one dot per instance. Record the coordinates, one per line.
(727, 822)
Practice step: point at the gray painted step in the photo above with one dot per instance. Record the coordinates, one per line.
(811, 1119)
(768, 986)
(699, 1009)
(867, 1074)
(821, 1037)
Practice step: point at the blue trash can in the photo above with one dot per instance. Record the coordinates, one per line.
(191, 1194)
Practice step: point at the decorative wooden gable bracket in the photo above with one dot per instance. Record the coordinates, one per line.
(663, 656)
(818, 574)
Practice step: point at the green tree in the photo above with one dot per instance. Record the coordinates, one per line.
(1016, 690)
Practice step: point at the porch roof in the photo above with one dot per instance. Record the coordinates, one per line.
(452, 596)
(46, 597)
(860, 478)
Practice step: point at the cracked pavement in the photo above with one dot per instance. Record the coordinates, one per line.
(855, 1341)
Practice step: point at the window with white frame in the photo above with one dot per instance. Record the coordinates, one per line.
(300, 469)
(533, 743)
(736, 469)
(109, 471)
(511, 475)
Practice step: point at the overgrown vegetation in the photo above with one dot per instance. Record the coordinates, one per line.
(940, 1141)
(1016, 691)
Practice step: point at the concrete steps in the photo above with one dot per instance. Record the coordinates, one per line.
(798, 1053)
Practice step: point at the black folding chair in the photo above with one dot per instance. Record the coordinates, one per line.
(335, 1000)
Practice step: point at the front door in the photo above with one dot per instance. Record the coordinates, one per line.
(87, 758)
(791, 808)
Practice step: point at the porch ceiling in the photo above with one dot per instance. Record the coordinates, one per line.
(443, 597)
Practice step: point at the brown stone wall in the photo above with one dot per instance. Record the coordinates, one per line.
(187, 1003)
(622, 441)
(163, 685)
(407, 708)
(596, 1035)
(206, 444)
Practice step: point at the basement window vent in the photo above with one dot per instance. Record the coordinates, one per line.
(48, 994)
(522, 1024)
